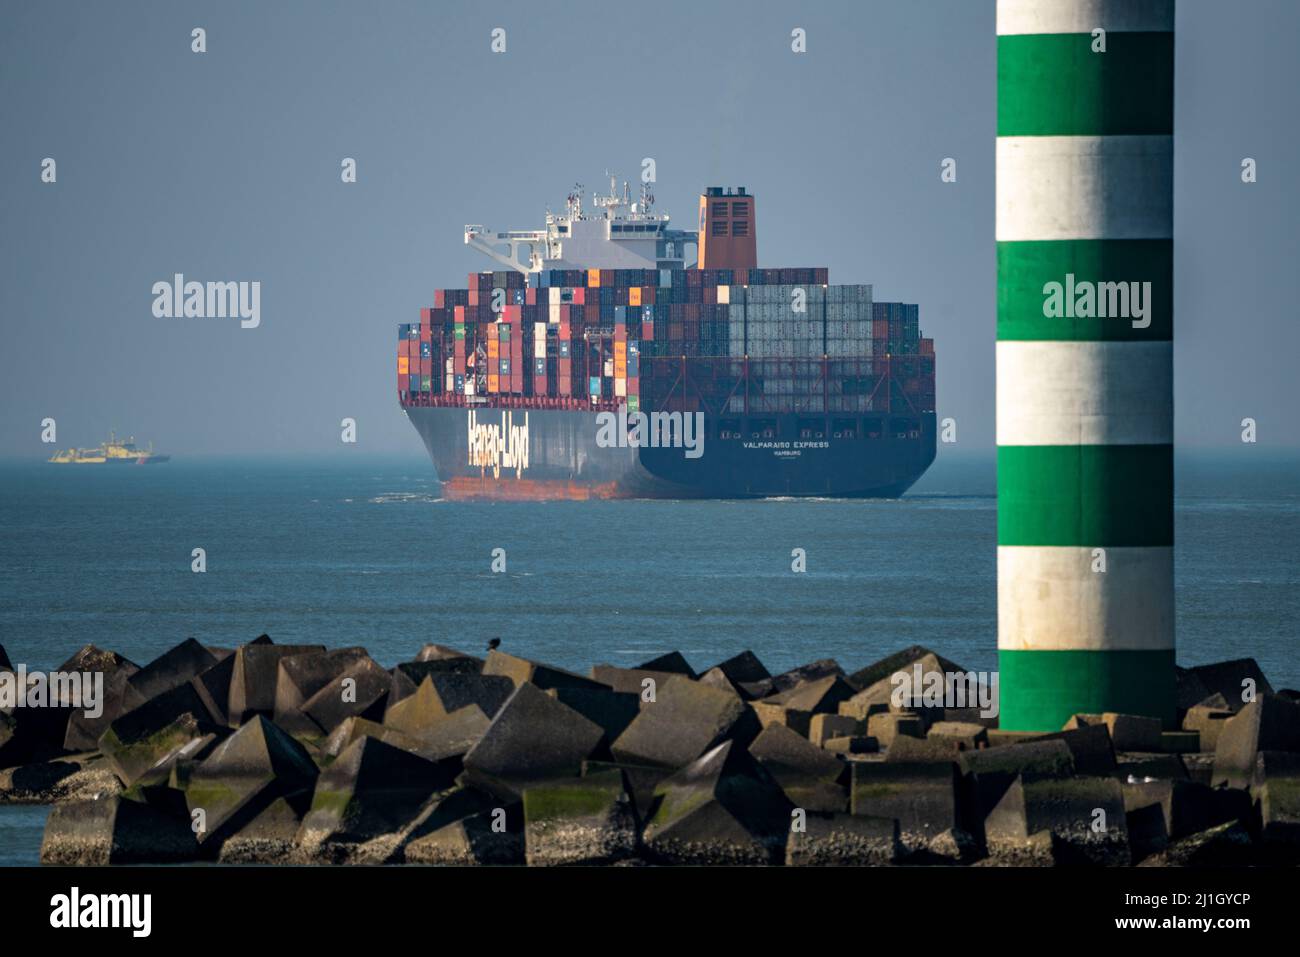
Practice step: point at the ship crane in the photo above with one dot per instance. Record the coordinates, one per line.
(489, 242)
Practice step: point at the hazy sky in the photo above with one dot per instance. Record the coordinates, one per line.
(226, 166)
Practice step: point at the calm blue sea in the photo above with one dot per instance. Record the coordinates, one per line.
(365, 552)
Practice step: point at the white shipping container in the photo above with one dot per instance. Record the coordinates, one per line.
(724, 295)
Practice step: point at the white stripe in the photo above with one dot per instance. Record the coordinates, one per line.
(1050, 599)
(1084, 16)
(1085, 393)
(1084, 187)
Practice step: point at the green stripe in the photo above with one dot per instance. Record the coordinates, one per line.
(1025, 267)
(1041, 690)
(1054, 85)
(1086, 495)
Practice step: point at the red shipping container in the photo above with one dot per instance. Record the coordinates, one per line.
(530, 297)
(711, 295)
(424, 317)
(426, 335)
(580, 296)
(634, 385)
(620, 333)
(512, 314)
(648, 296)
(426, 367)
(458, 314)
(648, 331)
(439, 298)
(539, 385)
(566, 385)
(473, 296)
(607, 277)
(402, 348)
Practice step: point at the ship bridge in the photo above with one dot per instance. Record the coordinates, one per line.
(616, 233)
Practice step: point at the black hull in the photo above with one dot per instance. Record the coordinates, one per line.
(562, 459)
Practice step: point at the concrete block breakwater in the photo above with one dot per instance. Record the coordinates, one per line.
(297, 754)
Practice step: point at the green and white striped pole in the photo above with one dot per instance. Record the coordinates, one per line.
(1085, 404)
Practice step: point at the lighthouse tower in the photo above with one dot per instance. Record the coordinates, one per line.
(1085, 359)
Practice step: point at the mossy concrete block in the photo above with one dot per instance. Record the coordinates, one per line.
(354, 728)
(809, 776)
(687, 719)
(584, 820)
(143, 740)
(887, 726)
(1128, 732)
(172, 668)
(522, 671)
(1208, 722)
(213, 687)
(298, 677)
(1085, 816)
(822, 727)
(267, 839)
(674, 662)
(1090, 747)
(1232, 679)
(639, 782)
(923, 798)
(632, 680)
(456, 691)
(83, 732)
(873, 700)
(1270, 723)
(722, 808)
(817, 696)
(885, 668)
(243, 775)
(466, 827)
(991, 771)
(532, 738)
(967, 735)
(744, 668)
(924, 750)
(452, 737)
(255, 670)
(1159, 812)
(1226, 845)
(812, 671)
(852, 744)
(1279, 812)
(441, 735)
(434, 653)
(114, 830)
(372, 789)
(1180, 742)
(800, 722)
(612, 710)
(844, 840)
(361, 690)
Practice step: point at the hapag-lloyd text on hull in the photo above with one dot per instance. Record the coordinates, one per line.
(498, 446)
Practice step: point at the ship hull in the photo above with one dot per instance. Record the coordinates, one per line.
(561, 457)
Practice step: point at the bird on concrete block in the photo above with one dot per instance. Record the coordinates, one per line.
(494, 644)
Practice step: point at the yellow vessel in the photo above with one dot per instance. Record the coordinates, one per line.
(113, 452)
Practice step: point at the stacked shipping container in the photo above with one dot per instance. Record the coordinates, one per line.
(779, 340)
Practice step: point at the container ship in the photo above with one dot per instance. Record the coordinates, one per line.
(113, 452)
(611, 356)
